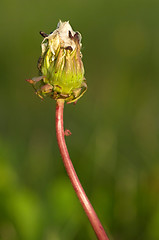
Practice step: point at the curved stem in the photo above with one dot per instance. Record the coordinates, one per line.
(98, 228)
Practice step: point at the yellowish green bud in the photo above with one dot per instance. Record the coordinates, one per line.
(60, 65)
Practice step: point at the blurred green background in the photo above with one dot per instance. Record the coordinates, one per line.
(115, 127)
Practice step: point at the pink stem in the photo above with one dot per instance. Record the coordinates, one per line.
(92, 216)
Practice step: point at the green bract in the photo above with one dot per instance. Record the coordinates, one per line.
(60, 65)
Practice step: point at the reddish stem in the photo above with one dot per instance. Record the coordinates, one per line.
(97, 226)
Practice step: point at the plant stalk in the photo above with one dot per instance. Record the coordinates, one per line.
(92, 216)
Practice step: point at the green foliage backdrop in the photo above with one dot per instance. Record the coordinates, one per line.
(115, 126)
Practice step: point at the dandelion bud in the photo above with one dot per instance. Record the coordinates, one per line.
(60, 65)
